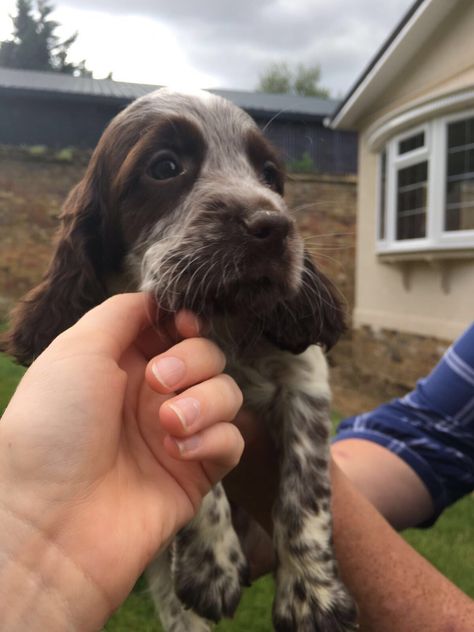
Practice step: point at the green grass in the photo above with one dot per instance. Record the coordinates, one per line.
(448, 545)
(137, 613)
(10, 375)
(253, 613)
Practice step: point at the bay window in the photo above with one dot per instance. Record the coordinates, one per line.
(426, 187)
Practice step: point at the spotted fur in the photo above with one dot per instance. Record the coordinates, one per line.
(215, 237)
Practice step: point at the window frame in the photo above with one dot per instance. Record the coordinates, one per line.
(435, 153)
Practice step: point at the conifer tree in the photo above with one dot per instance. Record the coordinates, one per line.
(34, 44)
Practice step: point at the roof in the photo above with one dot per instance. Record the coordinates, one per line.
(55, 84)
(395, 53)
(263, 101)
(60, 83)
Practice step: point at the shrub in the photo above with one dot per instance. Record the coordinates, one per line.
(305, 164)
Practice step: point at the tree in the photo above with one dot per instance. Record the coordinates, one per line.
(306, 82)
(303, 80)
(276, 79)
(34, 44)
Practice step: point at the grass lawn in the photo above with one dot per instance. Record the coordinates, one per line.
(449, 545)
(10, 374)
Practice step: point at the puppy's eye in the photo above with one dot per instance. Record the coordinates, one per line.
(165, 166)
(270, 175)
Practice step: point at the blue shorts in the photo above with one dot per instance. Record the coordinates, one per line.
(431, 428)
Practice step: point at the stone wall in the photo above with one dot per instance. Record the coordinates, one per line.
(394, 356)
(371, 367)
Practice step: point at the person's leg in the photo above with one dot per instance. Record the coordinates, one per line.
(386, 480)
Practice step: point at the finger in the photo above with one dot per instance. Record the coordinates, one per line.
(186, 363)
(127, 318)
(218, 448)
(188, 325)
(113, 326)
(153, 341)
(167, 332)
(197, 408)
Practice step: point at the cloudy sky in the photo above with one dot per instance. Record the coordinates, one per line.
(221, 43)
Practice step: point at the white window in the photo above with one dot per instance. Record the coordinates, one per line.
(426, 187)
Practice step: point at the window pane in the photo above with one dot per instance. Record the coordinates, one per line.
(411, 201)
(457, 162)
(383, 184)
(459, 214)
(411, 143)
(461, 132)
(460, 205)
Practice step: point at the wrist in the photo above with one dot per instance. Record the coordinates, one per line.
(40, 586)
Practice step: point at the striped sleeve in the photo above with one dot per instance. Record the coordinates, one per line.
(449, 388)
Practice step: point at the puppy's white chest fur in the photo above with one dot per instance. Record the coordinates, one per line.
(271, 374)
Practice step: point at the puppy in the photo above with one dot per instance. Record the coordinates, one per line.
(183, 197)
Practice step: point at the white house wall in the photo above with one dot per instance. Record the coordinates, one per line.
(432, 299)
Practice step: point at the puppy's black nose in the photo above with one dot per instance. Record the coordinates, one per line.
(268, 226)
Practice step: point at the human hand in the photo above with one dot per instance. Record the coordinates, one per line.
(95, 465)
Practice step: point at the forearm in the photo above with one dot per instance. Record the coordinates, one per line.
(40, 587)
(394, 586)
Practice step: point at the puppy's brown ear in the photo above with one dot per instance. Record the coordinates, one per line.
(314, 316)
(73, 282)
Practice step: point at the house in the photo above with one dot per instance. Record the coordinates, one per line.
(413, 107)
(58, 110)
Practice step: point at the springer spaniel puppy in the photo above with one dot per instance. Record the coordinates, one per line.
(183, 197)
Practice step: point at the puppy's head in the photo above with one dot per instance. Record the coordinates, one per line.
(183, 197)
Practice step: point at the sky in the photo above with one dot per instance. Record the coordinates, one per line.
(222, 43)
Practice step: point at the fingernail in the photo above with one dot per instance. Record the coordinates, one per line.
(169, 371)
(188, 445)
(187, 410)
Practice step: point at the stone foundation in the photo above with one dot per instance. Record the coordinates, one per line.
(395, 357)
(370, 367)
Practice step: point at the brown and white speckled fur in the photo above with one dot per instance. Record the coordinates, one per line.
(214, 236)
